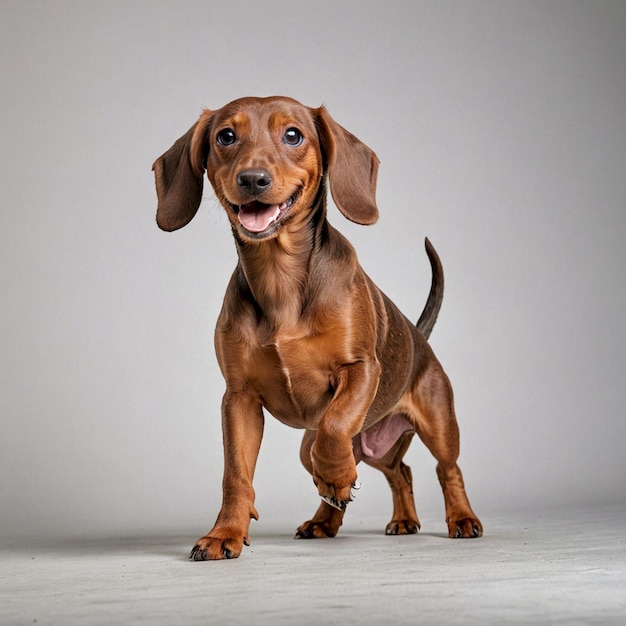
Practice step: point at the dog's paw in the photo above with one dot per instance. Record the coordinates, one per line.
(402, 527)
(467, 528)
(316, 530)
(340, 505)
(336, 497)
(214, 547)
(333, 494)
(325, 523)
(335, 477)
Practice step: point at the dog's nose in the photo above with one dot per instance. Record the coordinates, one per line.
(254, 181)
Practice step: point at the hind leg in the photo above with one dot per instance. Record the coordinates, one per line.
(436, 425)
(404, 520)
(327, 519)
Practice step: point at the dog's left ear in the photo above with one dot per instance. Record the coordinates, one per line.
(352, 170)
(179, 176)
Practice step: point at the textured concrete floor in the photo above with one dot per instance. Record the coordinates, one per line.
(563, 567)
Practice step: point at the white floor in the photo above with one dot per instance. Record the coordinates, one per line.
(565, 567)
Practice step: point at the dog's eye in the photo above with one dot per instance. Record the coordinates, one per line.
(226, 137)
(293, 137)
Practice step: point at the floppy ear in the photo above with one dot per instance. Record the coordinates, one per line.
(352, 169)
(179, 176)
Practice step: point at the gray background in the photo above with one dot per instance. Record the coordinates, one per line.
(501, 129)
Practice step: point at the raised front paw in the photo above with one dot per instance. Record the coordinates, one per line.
(335, 480)
(217, 545)
(334, 495)
(467, 528)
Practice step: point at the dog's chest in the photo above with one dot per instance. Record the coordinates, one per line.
(296, 382)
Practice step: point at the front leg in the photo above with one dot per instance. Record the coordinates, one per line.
(242, 428)
(333, 463)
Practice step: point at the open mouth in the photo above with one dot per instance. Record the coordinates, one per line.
(257, 217)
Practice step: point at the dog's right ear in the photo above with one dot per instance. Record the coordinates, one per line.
(179, 174)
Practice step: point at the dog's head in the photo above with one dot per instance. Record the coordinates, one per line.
(266, 159)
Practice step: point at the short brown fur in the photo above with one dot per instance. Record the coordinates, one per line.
(303, 331)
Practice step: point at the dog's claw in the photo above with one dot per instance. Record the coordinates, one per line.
(467, 528)
(402, 527)
(340, 506)
(198, 555)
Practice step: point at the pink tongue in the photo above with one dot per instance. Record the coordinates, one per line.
(256, 217)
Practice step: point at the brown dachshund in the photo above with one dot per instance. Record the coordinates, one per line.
(303, 331)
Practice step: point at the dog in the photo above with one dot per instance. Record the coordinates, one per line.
(304, 332)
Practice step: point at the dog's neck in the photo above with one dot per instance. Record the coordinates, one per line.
(277, 270)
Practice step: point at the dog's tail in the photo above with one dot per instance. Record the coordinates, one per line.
(435, 297)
